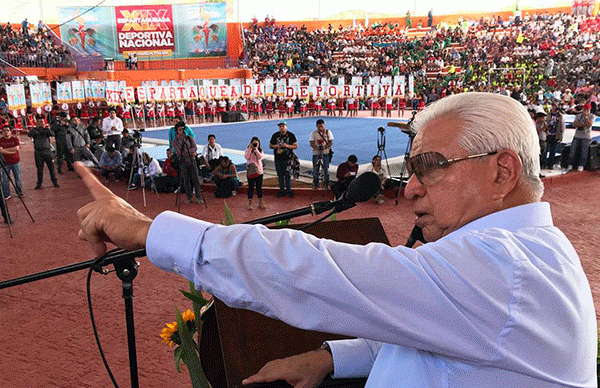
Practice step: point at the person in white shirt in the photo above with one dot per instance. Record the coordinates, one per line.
(149, 168)
(496, 297)
(211, 152)
(321, 140)
(112, 126)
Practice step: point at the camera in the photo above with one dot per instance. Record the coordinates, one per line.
(137, 138)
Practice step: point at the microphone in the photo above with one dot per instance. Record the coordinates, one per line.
(361, 189)
(415, 235)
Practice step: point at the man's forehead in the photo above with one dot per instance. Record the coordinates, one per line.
(438, 135)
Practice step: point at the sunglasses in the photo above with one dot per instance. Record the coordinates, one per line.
(423, 164)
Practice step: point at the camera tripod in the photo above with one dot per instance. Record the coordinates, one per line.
(381, 149)
(3, 201)
(320, 167)
(411, 136)
(137, 162)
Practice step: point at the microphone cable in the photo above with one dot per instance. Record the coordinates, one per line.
(93, 267)
(317, 221)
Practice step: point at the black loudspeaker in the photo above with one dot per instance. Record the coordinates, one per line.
(564, 156)
(232, 117)
(593, 162)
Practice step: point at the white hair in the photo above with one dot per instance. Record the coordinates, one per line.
(491, 122)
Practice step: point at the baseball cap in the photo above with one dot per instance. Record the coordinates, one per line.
(282, 122)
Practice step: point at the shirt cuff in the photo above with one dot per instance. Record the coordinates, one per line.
(173, 243)
(352, 357)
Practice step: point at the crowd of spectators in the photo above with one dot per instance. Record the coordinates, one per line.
(551, 51)
(28, 46)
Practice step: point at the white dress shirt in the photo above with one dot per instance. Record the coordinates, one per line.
(501, 302)
(108, 123)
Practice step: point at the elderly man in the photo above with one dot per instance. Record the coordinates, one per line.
(497, 297)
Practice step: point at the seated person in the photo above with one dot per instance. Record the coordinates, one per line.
(383, 174)
(225, 177)
(126, 141)
(97, 146)
(211, 153)
(169, 181)
(150, 168)
(346, 172)
(111, 163)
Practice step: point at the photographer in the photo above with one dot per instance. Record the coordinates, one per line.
(42, 145)
(321, 140)
(583, 137)
(150, 168)
(62, 153)
(127, 141)
(254, 172)
(188, 168)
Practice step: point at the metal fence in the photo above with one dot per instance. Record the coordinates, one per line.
(47, 59)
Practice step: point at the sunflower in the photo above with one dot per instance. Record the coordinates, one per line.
(170, 333)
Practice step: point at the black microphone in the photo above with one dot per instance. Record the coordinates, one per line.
(361, 189)
(415, 235)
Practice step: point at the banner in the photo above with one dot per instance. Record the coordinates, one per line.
(280, 88)
(202, 29)
(47, 94)
(16, 97)
(36, 95)
(78, 93)
(175, 31)
(113, 93)
(269, 86)
(88, 90)
(399, 85)
(129, 94)
(63, 93)
(141, 94)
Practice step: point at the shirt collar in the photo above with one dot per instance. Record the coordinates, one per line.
(535, 214)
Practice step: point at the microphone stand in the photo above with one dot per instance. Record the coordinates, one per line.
(125, 268)
(313, 209)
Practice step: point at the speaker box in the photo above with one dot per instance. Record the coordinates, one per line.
(564, 156)
(232, 117)
(593, 162)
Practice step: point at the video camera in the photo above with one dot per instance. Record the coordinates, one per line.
(137, 138)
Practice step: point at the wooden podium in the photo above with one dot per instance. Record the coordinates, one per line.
(236, 343)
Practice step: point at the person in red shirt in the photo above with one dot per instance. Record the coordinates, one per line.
(9, 148)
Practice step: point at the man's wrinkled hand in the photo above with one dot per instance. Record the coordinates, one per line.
(306, 370)
(109, 218)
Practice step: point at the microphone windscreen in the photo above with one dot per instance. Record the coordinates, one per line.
(364, 187)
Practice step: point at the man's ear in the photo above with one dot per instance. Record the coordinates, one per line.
(508, 172)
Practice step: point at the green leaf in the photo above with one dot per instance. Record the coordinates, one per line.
(177, 355)
(190, 355)
(333, 217)
(229, 220)
(283, 222)
(195, 298)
